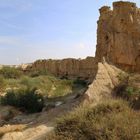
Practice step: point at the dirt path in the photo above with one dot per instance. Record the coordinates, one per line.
(39, 124)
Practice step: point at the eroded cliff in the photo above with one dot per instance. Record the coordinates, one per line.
(118, 35)
(71, 68)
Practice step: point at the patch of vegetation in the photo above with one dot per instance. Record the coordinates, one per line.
(129, 89)
(26, 99)
(112, 120)
(2, 83)
(123, 77)
(39, 72)
(10, 72)
(49, 85)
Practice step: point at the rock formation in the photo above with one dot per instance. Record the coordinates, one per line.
(105, 80)
(118, 42)
(71, 68)
(118, 35)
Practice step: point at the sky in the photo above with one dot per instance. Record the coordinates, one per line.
(43, 29)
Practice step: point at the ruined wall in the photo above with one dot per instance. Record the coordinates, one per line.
(71, 68)
(118, 35)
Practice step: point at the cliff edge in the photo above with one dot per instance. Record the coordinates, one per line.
(118, 36)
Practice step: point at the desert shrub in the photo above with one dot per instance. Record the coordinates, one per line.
(30, 82)
(10, 72)
(129, 93)
(38, 72)
(123, 77)
(48, 85)
(34, 74)
(2, 82)
(25, 80)
(26, 99)
(128, 89)
(111, 120)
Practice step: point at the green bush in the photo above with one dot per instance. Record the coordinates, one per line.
(26, 99)
(129, 93)
(10, 72)
(25, 80)
(129, 90)
(106, 121)
(36, 73)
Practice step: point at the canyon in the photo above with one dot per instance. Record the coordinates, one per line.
(117, 52)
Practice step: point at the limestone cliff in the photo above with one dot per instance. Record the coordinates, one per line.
(71, 68)
(118, 35)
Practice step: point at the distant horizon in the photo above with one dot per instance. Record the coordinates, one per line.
(44, 29)
(43, 59)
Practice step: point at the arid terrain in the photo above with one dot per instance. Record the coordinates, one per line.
(97, 98)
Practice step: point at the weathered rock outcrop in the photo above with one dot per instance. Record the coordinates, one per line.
(118, 35)
(71, 68)
(101, 87)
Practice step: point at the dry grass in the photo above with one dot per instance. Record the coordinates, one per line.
(129, 89)
(114, 120)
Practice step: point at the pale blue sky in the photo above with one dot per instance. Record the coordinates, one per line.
(38, 29)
